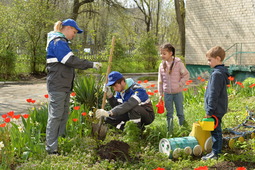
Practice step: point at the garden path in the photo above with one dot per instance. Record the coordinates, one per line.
(14, 94)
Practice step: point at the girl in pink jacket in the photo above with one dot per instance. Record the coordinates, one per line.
(172, 76)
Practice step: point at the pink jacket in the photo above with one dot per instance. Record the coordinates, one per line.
(172, 83)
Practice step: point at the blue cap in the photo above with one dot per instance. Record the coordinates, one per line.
(113, 77)
(72, 23)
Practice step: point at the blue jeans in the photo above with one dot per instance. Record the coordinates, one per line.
(177, 99)
(217, 138)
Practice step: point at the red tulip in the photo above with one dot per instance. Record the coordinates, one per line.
(75, 120)
(155, 91)
(84, 114)
(145, 81)
(11, 113)
(231, 78)
(25, 116)
(3, 125)
(29, 100)
(153, 85)
(16, 116)
(252, 85)
(241, 168)
(46, 96)
(185, 89)
(73, 94)
(7, 120)
(199, 78)
(158, 168)
(76, 107)
(4, 116)
(139, 82)
(201, 168)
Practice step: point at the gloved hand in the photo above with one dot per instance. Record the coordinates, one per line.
(107, 90)
(97, 65)
(101, 112)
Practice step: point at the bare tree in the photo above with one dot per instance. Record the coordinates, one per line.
(180, 16)
(145, 7)
(76, 6)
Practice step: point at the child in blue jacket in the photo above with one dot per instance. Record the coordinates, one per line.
(216, 97)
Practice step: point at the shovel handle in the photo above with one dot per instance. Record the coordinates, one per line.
(108, 69)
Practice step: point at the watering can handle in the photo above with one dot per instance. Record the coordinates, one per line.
(217, 121)
(108, 69)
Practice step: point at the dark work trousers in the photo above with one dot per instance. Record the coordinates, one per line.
(144, 113)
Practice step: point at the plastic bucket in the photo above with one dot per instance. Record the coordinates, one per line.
(167, 146)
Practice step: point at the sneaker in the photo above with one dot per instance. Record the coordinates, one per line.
(53, 153)
(209, 156)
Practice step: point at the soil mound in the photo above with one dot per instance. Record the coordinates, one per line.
(116, 150)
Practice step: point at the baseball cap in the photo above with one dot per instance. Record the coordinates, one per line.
(113, 77)
(72, 23)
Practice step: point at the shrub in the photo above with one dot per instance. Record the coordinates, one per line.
(7, 64)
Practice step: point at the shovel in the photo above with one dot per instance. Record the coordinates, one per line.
(99, 130)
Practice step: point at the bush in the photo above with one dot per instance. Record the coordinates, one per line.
(146, 51)
(88, 91)
(7, 64)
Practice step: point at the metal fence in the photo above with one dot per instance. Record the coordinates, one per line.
(240, 54)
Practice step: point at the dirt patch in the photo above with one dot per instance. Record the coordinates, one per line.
(226, 165)
(116, 150)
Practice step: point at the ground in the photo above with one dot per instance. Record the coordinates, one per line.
(14, 95)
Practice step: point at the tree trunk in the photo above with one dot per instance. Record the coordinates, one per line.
(180, 16)
(157, 19)
(76, 6)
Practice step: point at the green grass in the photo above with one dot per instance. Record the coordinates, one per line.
(79, 150)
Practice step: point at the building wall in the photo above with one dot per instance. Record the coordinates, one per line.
(220, 22)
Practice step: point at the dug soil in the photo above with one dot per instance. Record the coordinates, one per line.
(116, 150)
(233, 165)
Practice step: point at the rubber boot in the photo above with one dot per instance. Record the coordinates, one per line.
(170, 125)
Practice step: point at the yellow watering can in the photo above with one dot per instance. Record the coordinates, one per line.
(207, 124)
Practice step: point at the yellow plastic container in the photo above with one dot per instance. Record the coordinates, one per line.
(207, 124)
(200, 134)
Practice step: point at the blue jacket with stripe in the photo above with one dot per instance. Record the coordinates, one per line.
(126, 100)
(61, 63)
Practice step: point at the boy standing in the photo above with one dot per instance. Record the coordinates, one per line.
(216, 97)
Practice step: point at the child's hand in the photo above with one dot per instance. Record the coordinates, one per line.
(160, 98)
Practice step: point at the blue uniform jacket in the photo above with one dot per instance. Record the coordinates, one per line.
(133, 96)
